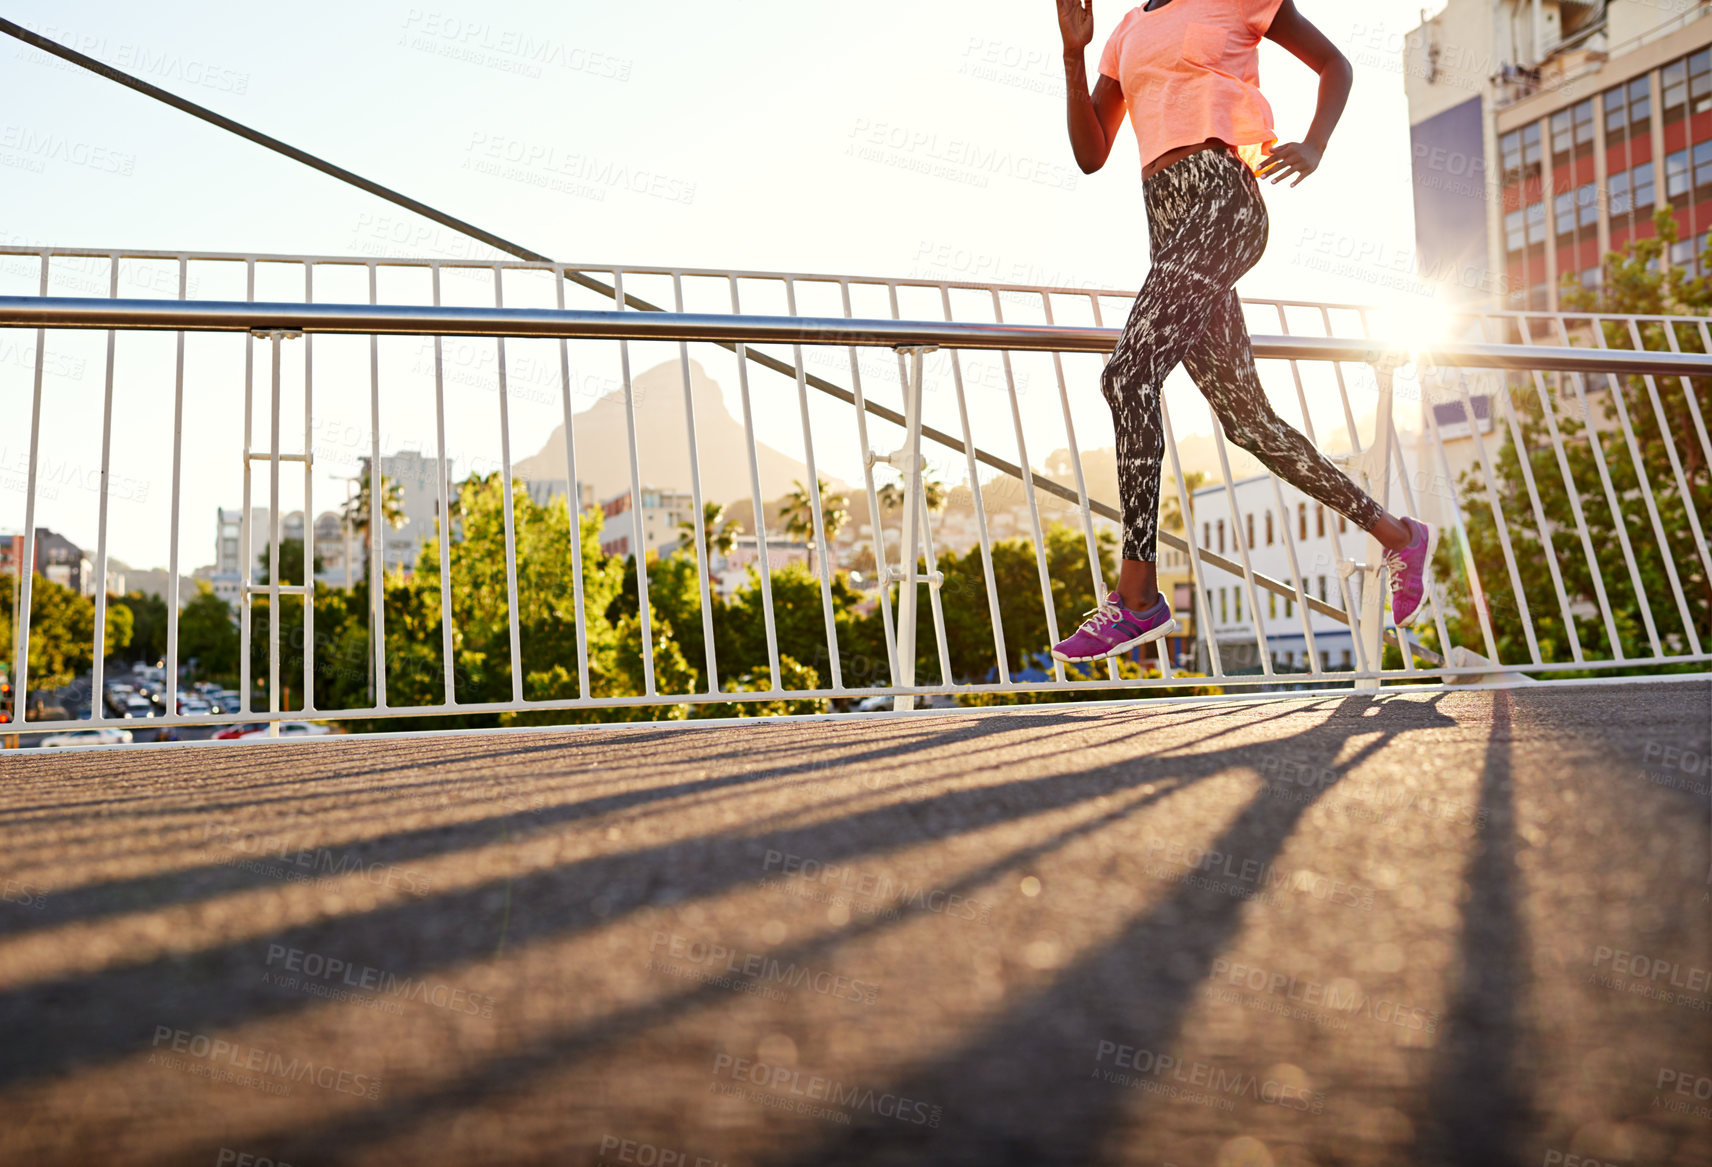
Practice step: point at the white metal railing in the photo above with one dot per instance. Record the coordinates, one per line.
(1566, 357)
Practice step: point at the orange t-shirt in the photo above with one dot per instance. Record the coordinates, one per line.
(1190, 71)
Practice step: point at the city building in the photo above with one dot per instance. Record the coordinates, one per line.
(418, 481)
(58, 559)
(542, 491)
(659, 515)
(1544, 134)
(732, 572)
(1177, 583)
(1322, 539)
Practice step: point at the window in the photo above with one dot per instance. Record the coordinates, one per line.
(1616, 116)
(1673, 90)
(1682, 255)
(1587, 206)
(1236, 594)
(1643, 186)
(1590, 277)
(1676, 174)
(1536, 223)
(1531, 150)
(1320, 521)
(1206, 534)
(1640, 102)
(1251, 530)
(1221, 526)
(1563, 210)
(1510, 153)
(1269, 528)
(1700, 81)
(1563, 134)
(1618, 186)
(1302, 519)
(1514, 232)
(1323, 590)
(1703, 163)
(1342, 524)
(1289, 607)
(1584, 128)
(1347, 663)
(1224, 617)
(1572, 133)
(1271, 604)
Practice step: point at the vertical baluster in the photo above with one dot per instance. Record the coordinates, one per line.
(442, 486)
(765, 565)
(881, 562)
(377, 520)
(573, 502)
(817, 524)
(171, 678)
(514, 619)
(999, 655)
(26, 563)
(702, 560)
(1028, 496)
(1093, 544)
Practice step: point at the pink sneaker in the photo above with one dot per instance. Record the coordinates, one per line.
(1112, 628)
(1410, 571)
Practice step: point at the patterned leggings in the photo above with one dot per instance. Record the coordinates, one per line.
(1207, 226)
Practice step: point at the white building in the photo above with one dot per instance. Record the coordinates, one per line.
(659, 515)
(1322, 538)
(227, 575)
(732, 572)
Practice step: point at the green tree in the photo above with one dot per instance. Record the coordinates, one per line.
(148, 625)
(1629, 287)
(798, 512)
(291, 558)
(357, 513)
(721, 533)
(208, 637)
(62, 632)
(891, 495)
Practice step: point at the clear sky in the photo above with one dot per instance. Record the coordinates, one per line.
(891, 137)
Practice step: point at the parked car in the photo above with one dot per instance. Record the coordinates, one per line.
(194, 707)
(289, 729)
(232, 732)
(88, 737)
(139, 707)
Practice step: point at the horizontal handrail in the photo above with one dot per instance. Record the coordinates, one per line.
(390, 319)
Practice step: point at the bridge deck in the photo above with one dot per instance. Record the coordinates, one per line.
(1343, 930)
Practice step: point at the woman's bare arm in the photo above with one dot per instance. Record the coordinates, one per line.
(1094, 117)
(1309, 45)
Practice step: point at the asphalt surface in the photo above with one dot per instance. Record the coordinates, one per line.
(1461, 928)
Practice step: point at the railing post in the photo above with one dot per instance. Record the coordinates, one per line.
(1371, 470)
(275, 336)
(908, 461)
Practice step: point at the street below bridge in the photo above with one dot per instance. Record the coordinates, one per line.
(1464, 927)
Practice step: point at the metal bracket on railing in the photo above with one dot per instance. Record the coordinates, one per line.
(276, 333)
(909, 462)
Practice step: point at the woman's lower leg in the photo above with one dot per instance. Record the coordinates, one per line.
(1138, 584)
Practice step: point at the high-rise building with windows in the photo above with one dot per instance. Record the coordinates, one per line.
(1544, 133)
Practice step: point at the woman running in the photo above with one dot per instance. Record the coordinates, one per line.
(1188, 73)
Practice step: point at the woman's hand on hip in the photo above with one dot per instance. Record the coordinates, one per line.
(1298, 158)
(1076, 23)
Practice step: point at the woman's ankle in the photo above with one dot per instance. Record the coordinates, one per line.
(1148, 601)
